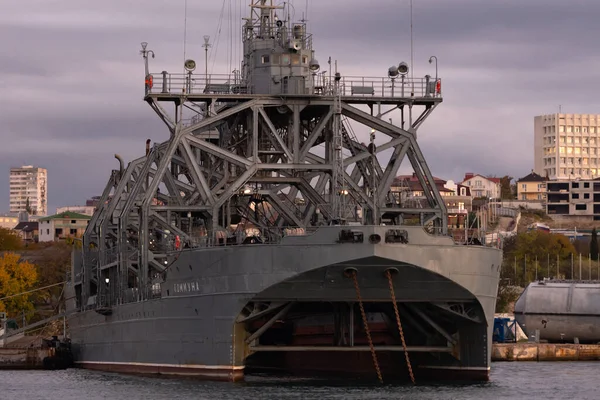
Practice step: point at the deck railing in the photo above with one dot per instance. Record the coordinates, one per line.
(350, 86)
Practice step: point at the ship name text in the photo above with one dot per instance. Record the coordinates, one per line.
(185, 287)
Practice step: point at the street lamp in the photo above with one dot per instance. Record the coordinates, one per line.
(144, 54)
(436, 67)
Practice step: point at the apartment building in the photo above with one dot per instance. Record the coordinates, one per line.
(29, 187)
(566, 146)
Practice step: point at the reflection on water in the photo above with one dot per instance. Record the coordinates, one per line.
(522, 380)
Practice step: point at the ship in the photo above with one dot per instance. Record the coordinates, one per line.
(263, 235)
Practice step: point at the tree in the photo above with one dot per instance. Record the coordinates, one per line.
(52, 261)
(594, 245)
(9, 240)
(526, 247)
(16, 277)
(506, 192)
(27, 206)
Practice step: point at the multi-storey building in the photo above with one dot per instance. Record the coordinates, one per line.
(566, 146)
(29, 187)
(531, 187)
(573, 198)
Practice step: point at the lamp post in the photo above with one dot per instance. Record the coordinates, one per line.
(436, 66)
(145, 54)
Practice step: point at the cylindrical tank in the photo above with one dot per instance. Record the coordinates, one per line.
(561, 310)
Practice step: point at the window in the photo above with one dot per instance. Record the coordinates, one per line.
(575, 185)
(575, 195)
(265, 59)
(586, 185)
(586, 195)
(73, 221)
(524, 186)
(581, 207)
(73, 231)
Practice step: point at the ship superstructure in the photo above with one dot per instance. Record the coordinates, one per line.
(264, 234)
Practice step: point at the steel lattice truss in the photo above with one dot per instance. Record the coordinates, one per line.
(261, 161)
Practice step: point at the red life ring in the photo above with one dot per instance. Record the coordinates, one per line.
(177, 242)
(438, 86)
(149, 81)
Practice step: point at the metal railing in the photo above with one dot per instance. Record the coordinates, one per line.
(350, 86)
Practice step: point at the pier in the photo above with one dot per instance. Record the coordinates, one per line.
(527, 351)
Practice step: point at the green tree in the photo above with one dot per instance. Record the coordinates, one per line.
(16, 276)
(27, 206)
(506, 192)
(9, 240)
(523, 249)
(594, 245)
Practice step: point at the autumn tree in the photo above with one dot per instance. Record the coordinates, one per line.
(16, 277)
(594, 245)
(9, 240)
(52, 264)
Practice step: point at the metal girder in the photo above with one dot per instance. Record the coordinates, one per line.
(274, 133)
(218, 151)
(260, 150)
(197, 174)
(312, 137)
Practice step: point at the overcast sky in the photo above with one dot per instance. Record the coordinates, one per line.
(71, 77)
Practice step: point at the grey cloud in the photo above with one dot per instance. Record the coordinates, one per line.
(72, 78)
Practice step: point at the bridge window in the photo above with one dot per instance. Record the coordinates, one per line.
(265, 59)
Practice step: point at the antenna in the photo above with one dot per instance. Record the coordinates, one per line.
(184, 29)
(412, 93)
(206, 45)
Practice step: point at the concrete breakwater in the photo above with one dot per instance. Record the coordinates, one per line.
(23, 358)
(545, 352)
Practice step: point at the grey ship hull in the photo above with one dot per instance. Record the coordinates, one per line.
(192, 328)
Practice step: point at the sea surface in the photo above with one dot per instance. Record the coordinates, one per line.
(515, 381)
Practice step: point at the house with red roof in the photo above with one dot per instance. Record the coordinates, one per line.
(407, 191)
(482, 186)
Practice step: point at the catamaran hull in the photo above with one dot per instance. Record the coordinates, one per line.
(193, 329)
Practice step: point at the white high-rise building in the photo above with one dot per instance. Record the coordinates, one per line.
(29, 184)
(566, 146)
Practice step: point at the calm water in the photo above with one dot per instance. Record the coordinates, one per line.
(515, 381)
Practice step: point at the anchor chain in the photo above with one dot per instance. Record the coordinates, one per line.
(391, 284)
(366, 324)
